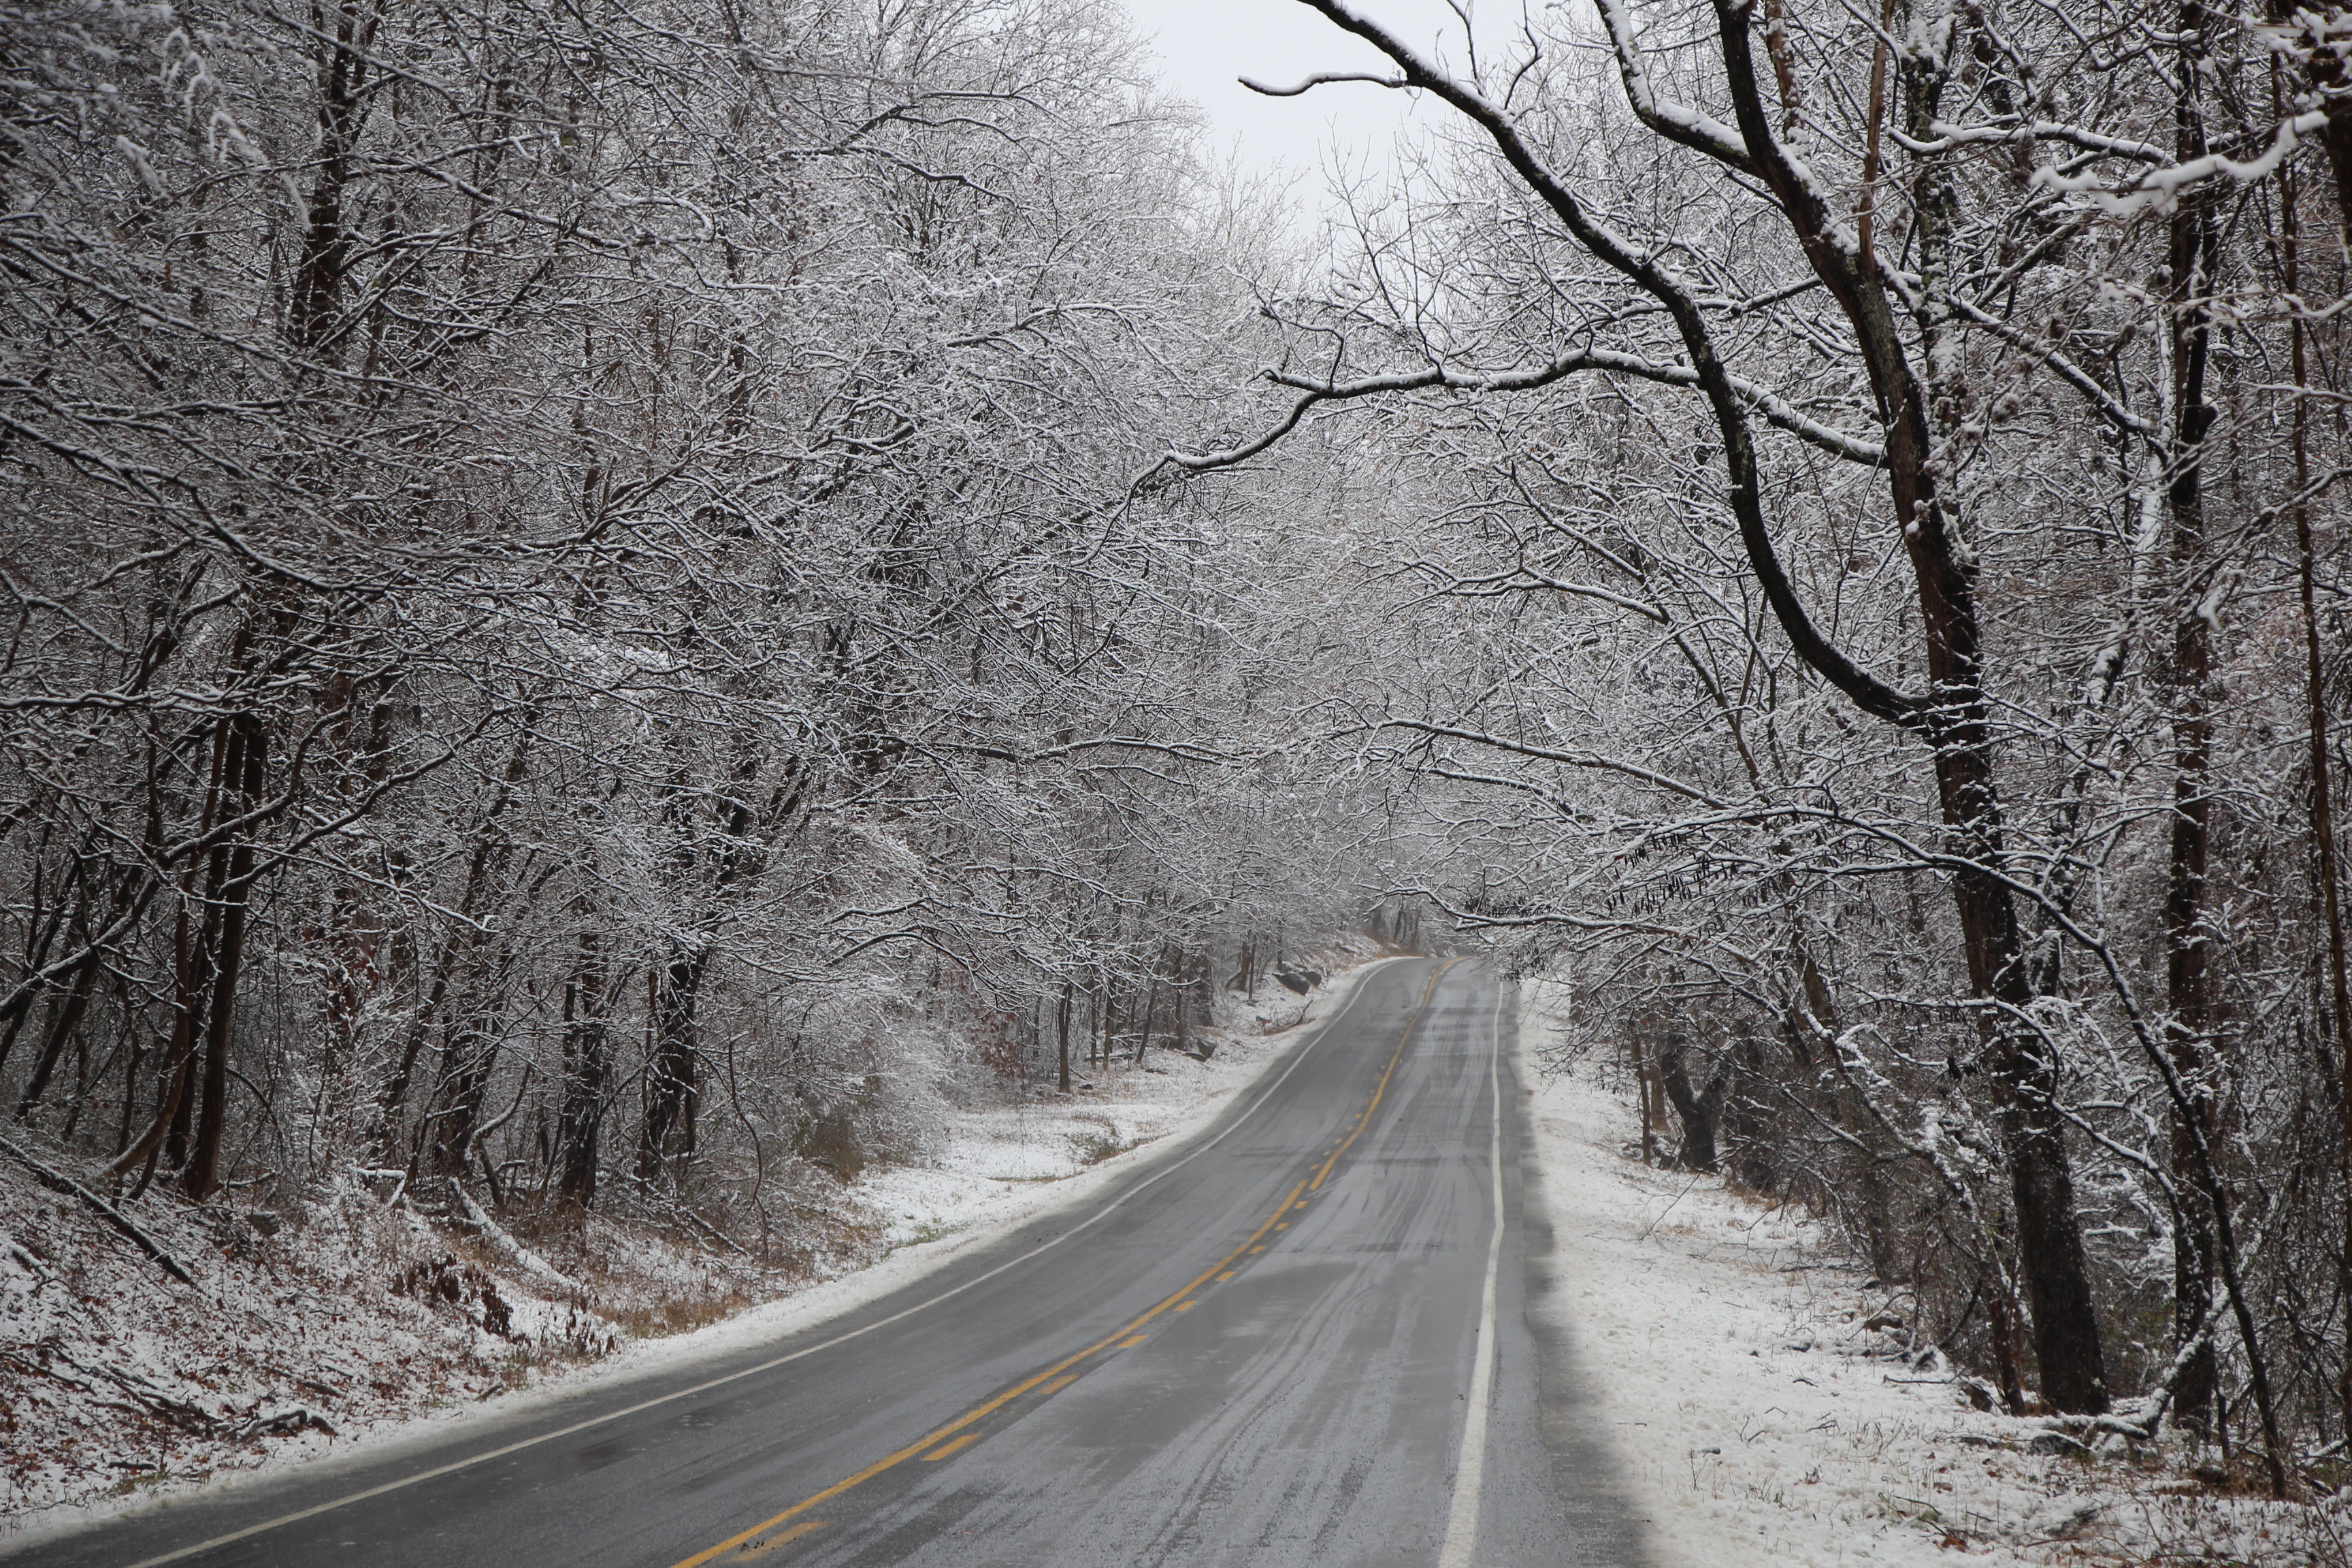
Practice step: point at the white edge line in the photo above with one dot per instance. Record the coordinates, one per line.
(1461, 1518)
(439, 1470)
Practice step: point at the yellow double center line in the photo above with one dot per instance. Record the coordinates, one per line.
(1381, 1088)
(749, 1541)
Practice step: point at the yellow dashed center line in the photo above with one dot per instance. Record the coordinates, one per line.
(1123, 1339)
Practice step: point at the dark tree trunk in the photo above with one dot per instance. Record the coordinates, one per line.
(36, 953)
(64, 1017)
(2325, 869)
(1062, 1063)
(468, 1054)
(672, 1094)
(581, 1109)
(2193, 239)
(190, 975)
(247, 771)
(1150, 1017)
(1646, 1071)
(1953, 715)
(1697, 1107)
(457, 958)
(343, 90)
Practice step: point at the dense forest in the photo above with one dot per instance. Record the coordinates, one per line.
(592, 589)
(581, 590)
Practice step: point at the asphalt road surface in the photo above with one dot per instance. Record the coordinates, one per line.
(1299, 1337)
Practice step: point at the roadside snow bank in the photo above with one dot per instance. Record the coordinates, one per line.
(1763, 1409)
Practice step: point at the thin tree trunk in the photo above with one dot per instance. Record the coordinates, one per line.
(2323, 787)
(1643, 1072)
(2187, 990)
(65, 1018)
(343, 94)
(1181, 996)
(672, 1093)
(1151, 1016)
(580, 1114)
(469, 1055)
(248, 769)
(1062, 1066)
(190, 966)
(41, 937)
(1694, 1107)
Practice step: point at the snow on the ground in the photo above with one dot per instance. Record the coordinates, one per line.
(360, 1331)
(299, 1333)
(989, 1164)
(1763, 1408)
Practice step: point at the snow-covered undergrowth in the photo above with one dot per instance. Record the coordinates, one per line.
(988, 1161)
(1766, 1404)
(299, 1329)
(309, 1331)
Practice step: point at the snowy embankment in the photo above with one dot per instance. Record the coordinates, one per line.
(1766, 1408)
(355, 1326)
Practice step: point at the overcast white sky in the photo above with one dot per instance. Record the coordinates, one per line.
(1206, 44)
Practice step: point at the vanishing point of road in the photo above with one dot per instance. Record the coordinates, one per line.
(1302, 1336)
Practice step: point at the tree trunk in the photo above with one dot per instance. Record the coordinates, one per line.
(64, 1017)
(37, 952)
(1696, 1107)
(191, 973)
(581, 1107)
(343, 94)
(469, 1054)
(672, 1094)
(1062, 1064)
(248, 772)
(1151, 1016)
(1644, 1070)
(1180, 998)
(2324, 870)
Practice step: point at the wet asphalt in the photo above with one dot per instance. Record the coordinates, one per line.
(1216, 1360)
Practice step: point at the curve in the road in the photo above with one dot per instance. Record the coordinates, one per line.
(1301, 1339)
(944, 1442)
